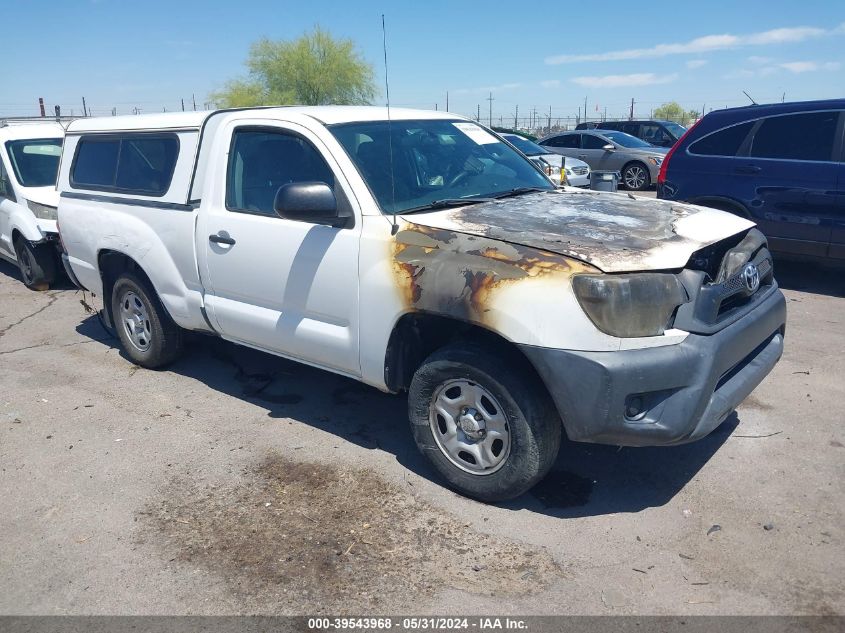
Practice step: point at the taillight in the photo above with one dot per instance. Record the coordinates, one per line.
(661, 175)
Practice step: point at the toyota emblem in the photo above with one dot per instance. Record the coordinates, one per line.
(751, 277)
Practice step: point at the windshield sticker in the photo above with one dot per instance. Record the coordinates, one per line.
(476, 133)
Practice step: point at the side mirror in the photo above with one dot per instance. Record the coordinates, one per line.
(609, 147)
(308, 202)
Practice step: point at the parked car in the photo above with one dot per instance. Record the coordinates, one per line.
(659, 133)
(420, 253)
(29, 162)
(780, 165)
(608, 150)
(577, 172)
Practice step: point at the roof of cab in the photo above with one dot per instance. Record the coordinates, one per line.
(327, 115)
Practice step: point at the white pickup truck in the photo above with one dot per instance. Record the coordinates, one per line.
(420, 252)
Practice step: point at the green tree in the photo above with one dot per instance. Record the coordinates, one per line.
(315, 69)
(674, 112)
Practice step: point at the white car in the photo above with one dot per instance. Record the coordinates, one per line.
(577, 172)
(29, 162)
(421, 253)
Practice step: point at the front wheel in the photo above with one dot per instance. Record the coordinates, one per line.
(489, 430)
(36, 263)
(147, 333)
(636, 177)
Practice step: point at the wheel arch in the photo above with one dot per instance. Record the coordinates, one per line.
(112, 264)
(416, 335)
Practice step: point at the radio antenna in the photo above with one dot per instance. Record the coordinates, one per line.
(394, 227)
(749, 98)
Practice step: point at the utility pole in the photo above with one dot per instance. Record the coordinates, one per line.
(195, 102)
(516, 118)
(631, 115)
(585, 109)
(549, 126)
(58, 110)
(783, 97)
(84, 107)
(114, 111)
(41, 106)
(183, 105)
(478, 113)
(447, 101)
(490, 110)
(435, 107)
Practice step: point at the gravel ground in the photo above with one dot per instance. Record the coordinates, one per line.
(235, 482)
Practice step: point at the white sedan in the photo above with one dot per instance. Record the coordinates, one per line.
(577, 171)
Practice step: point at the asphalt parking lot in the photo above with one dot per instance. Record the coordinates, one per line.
(235, 482)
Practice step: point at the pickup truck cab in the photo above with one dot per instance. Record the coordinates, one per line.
(29, 162)
(421, 253)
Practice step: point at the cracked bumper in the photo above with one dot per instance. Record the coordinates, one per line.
(686, 390)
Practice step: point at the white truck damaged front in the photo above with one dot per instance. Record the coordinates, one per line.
(647, 323)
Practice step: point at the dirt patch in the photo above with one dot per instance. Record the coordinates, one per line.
(321, 539)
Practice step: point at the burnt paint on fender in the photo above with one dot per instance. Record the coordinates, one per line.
(454, 274)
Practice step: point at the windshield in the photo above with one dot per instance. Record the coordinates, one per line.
(434, 161)
(625, 140)
(529, 148)
(676, 130)
(35, 161)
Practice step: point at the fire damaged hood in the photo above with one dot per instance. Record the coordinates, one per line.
(612, 231)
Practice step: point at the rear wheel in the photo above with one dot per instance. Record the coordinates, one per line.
(37, 264)
(147, 333)
(635, 176)
(485, 425)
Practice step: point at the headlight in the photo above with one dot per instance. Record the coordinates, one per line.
(654, 160)
(568, 173)
(43, 211)
(639, 304)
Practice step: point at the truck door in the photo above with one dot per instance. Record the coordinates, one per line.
(285, 286)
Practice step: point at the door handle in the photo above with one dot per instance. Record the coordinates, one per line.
(747, 169)
(221, 239)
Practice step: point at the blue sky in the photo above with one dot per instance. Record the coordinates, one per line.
(150, 54)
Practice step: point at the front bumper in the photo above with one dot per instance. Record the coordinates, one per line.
(685, 390)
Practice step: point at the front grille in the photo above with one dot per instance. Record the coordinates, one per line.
(717, 288)
(579, 171)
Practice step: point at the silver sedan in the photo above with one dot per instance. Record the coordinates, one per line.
(638, 162)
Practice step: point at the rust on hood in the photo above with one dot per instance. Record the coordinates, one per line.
(452, 273)
(612, 232)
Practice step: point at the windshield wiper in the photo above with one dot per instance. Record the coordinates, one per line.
(518, 192)
(446, 203)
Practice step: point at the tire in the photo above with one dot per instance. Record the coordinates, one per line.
(147, 333)
(36, 263)
(636, 177)
(510, 401)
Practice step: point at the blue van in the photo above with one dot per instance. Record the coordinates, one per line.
(781, 165)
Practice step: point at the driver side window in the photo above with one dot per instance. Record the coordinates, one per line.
(6, 190)
(261, 161)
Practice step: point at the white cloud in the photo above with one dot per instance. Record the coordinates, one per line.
(759, 61)
(614, 81)
(696, 63)
(703, 44)
(809, 67)
(550, 83)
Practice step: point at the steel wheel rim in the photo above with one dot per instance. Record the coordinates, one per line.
(634, 177)
(469, 427)
(135, 320)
